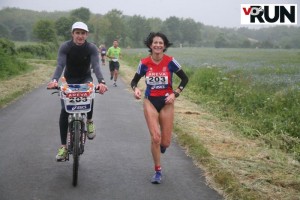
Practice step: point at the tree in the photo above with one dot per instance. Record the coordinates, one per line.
(267, 44)
(138, 29)
(155, 24)
(100, 28)
(246, 43)
(82, 14)
(116, 28)
(19, 33)
(44, 31)
(190, 31)
(4, 31)
(63, 27)
(221, 41)
(171, 27)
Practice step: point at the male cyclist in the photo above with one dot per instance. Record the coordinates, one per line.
(76, 57)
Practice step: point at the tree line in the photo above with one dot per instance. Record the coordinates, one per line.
(26, 25)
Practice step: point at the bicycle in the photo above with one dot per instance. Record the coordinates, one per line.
(77, 101)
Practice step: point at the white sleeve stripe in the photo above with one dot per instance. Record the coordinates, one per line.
(176, 63)
(139, 68)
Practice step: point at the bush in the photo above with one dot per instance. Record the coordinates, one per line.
(7, 46)
(40, 51)
(10, 65)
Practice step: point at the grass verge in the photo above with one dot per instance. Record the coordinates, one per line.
(12, 89)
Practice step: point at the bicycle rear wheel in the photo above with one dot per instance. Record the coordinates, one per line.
(76, 151)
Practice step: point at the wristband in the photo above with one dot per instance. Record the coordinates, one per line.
(102, 81)
(176, 94)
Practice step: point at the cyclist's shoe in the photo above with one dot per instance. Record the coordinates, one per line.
(90, 130)
(62, 154)
(156, 179)
(163, 149)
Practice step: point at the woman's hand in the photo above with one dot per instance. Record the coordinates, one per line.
(170, 99)
(137, 93)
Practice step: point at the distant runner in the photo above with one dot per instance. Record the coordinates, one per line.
(102, 50)
(114, 53)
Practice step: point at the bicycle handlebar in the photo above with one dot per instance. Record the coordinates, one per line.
(58, 89)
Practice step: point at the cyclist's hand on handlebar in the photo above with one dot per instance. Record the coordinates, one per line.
(102, 88)
(52, 85)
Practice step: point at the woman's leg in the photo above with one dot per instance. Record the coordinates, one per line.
(166, 118)
(151, 116)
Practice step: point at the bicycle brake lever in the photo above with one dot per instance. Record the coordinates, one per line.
(55, 92)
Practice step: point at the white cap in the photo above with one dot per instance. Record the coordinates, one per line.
(80, 25)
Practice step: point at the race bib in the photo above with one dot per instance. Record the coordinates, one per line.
(156, 79)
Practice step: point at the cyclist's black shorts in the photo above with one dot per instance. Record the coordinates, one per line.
(114, 66)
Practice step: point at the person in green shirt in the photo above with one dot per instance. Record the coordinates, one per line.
(114, 54)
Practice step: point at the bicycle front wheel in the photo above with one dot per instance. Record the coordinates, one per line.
(76, 151)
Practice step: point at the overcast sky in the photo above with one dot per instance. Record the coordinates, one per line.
(223, 13)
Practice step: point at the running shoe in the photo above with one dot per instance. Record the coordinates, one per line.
(163, 149)
(115, 84)
(90, 130)
(111, 78)
(156, 179)
(62, 154)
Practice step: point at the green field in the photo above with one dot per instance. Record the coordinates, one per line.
(264, 65)
(255, 89)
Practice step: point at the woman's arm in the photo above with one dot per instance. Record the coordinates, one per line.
(184, 80)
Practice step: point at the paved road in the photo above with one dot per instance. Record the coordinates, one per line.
(117, 164)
